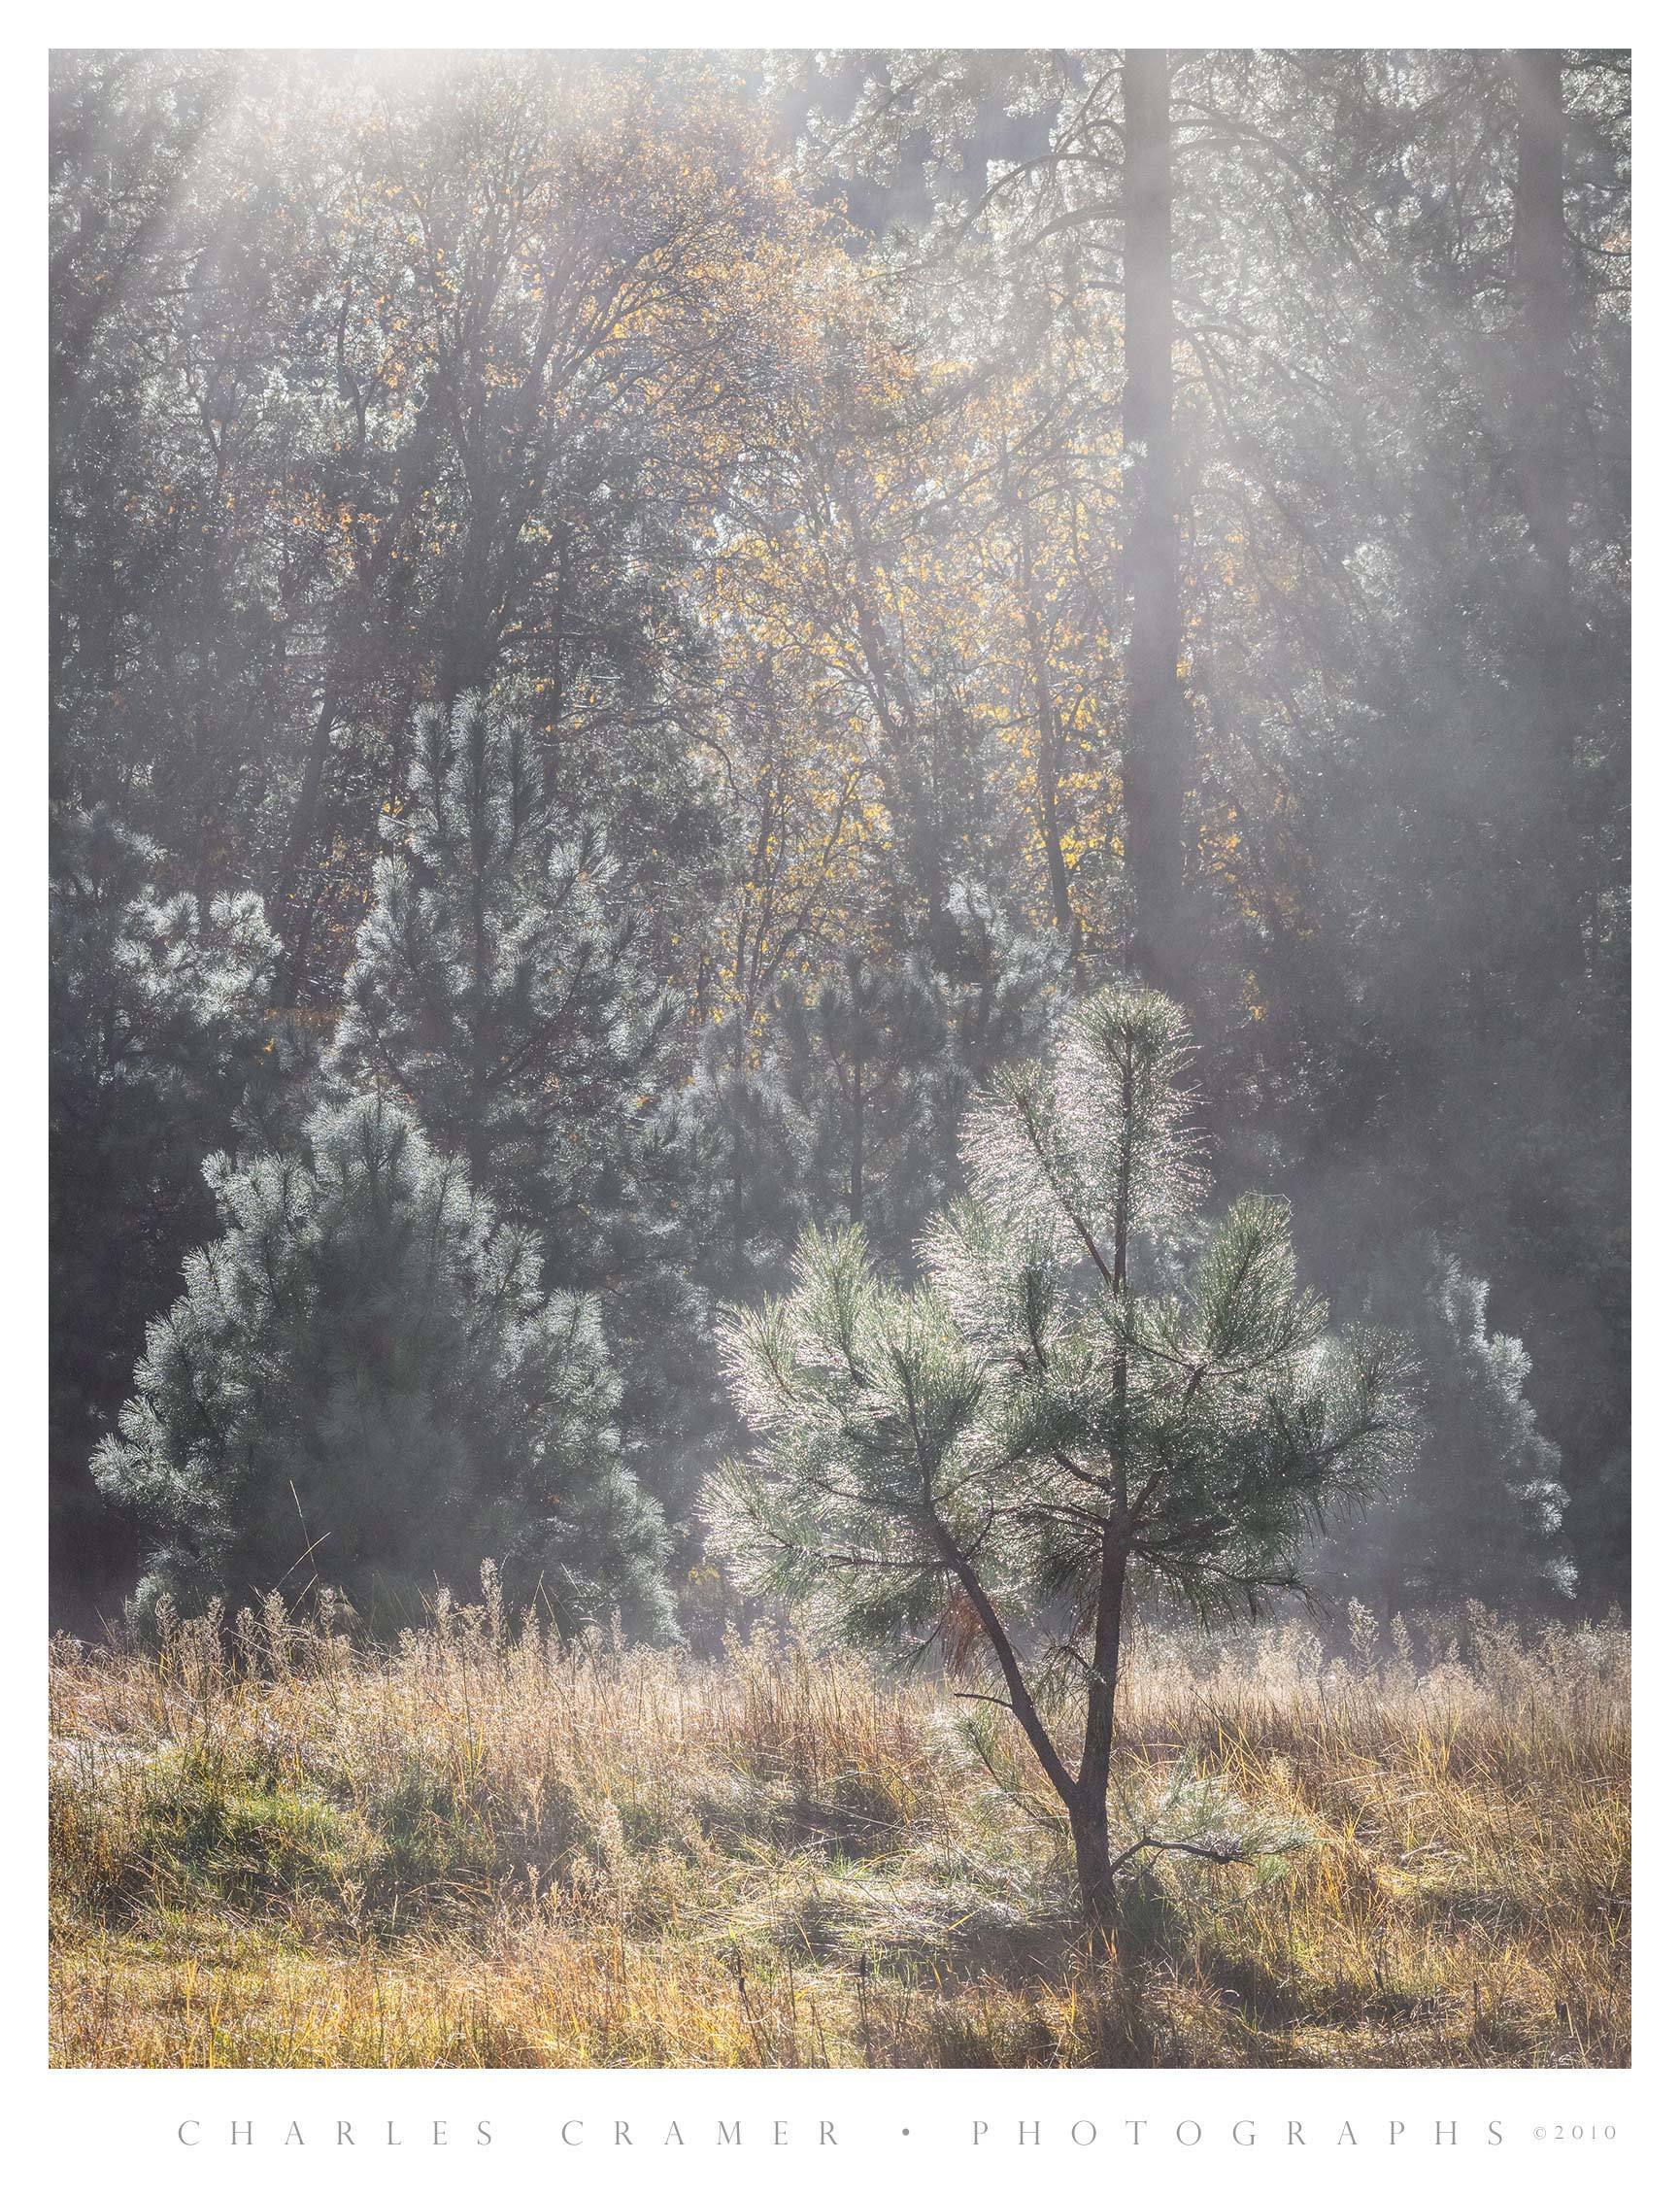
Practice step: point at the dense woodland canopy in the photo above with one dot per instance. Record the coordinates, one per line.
(628, 631)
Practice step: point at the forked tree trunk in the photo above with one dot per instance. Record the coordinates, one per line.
(1085, 1793)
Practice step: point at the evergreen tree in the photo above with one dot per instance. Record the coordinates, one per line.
(1002, 984)
(882, 1061)
(158, 1024)
(869, 1068)
(496, 991)
(735, 1149)
(1482, 1509)
(720, 1204)
(1008, 1449)
(365, 1384)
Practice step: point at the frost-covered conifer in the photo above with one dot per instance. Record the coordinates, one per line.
(365, 1383)
(1481, 1513)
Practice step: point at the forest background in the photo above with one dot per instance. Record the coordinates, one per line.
(656, 618)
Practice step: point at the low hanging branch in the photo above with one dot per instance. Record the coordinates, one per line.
(1224, 1855)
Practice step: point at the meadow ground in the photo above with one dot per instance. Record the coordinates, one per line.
(482, 1849)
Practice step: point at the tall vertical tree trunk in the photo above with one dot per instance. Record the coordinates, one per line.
(1156, 762)
(1542, 320)
(1547, 633)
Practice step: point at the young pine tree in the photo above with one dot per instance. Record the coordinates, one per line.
(364, 1383)
(1007, 1450)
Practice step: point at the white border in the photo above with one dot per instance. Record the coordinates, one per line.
(95, 2129)
(865, 22)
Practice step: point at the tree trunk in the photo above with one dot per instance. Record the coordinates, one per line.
(1539, 276)
(1547, 635)
(1089, 1810)
(1157, 760)
(1094, 1862)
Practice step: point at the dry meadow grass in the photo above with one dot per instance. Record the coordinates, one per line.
(474, 1849)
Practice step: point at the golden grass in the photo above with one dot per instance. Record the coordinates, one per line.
(473, 1848)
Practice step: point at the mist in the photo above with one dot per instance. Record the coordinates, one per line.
(659, 619)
